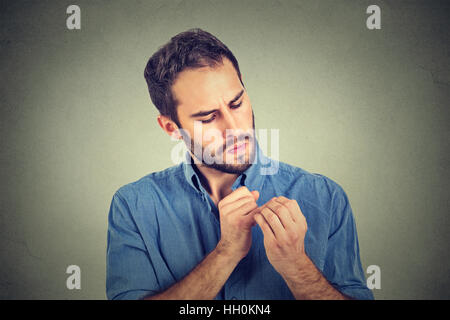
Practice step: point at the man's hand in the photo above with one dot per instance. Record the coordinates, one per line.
(236, 220)
(284, 228)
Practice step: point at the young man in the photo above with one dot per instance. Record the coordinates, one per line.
(228, 223)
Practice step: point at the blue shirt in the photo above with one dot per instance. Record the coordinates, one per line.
(163, 225)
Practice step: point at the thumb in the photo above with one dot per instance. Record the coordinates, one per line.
(255, 194)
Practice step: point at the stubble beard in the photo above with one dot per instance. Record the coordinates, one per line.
(233, 168)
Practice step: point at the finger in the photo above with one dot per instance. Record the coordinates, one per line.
(274, 223)
(254, 210)
(283, 214)
(265, 204)
(265, 227)
(234, 196)
(293, 207)
(255, 194)
(243, 205)
(249, 218)
(246, 208)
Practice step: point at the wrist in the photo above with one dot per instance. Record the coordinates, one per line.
(227, 252)
(301, 265)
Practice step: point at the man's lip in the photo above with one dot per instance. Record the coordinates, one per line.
(237, 147)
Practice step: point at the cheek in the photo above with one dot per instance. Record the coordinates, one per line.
(212, 138)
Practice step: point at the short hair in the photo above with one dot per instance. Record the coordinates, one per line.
(194, 48)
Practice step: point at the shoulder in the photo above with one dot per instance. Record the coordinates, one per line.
(140, 196)
(152, 182)
(293, 175)
(316, 189)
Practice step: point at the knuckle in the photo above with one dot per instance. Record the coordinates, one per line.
(304, 222)
(252, 205)
(276, 245)
(272, 217)
(303, 227)
(220, 204)
(223, 212)
(282, 242)
(291, 204)
(282, 210)
(276, 208)
(249, 198)
(293, 237)
(243, 190)
(249, 206)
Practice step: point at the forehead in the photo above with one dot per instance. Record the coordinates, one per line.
(206, 87)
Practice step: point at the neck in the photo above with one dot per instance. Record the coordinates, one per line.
(216, 183)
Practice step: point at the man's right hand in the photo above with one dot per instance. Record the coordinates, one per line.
(236, 212)
(236, 220)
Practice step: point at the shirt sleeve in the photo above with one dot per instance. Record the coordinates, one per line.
(342, 263)
(129, 270)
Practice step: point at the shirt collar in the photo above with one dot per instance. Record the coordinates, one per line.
(252, 178)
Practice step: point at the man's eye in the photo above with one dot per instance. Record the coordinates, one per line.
(209, 120)
(214, 116)
(236, 106)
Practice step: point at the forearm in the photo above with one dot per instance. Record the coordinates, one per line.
(308, 283)
(204, 281)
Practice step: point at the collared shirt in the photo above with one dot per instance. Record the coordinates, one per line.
(163, 225)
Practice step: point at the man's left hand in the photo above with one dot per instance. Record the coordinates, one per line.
(284, 228)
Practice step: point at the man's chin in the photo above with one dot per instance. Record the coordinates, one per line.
(229, 168)
(236, 165)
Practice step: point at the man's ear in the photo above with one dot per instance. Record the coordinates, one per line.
(169, 126)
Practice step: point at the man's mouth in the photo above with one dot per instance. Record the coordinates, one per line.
(238, 148)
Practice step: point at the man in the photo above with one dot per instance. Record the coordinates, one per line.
(221, 224)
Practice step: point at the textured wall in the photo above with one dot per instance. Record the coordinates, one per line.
(368, 109)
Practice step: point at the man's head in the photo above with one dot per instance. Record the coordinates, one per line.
(195, 82)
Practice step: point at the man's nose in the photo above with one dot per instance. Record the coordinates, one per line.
(230, 127)
(229, 122)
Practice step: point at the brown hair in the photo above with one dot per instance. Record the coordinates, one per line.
(194, 48)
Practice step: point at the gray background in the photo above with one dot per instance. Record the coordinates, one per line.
(368, 109)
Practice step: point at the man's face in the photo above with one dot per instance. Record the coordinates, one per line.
(215, 110)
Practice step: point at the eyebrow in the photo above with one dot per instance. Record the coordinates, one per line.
(205, 113)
